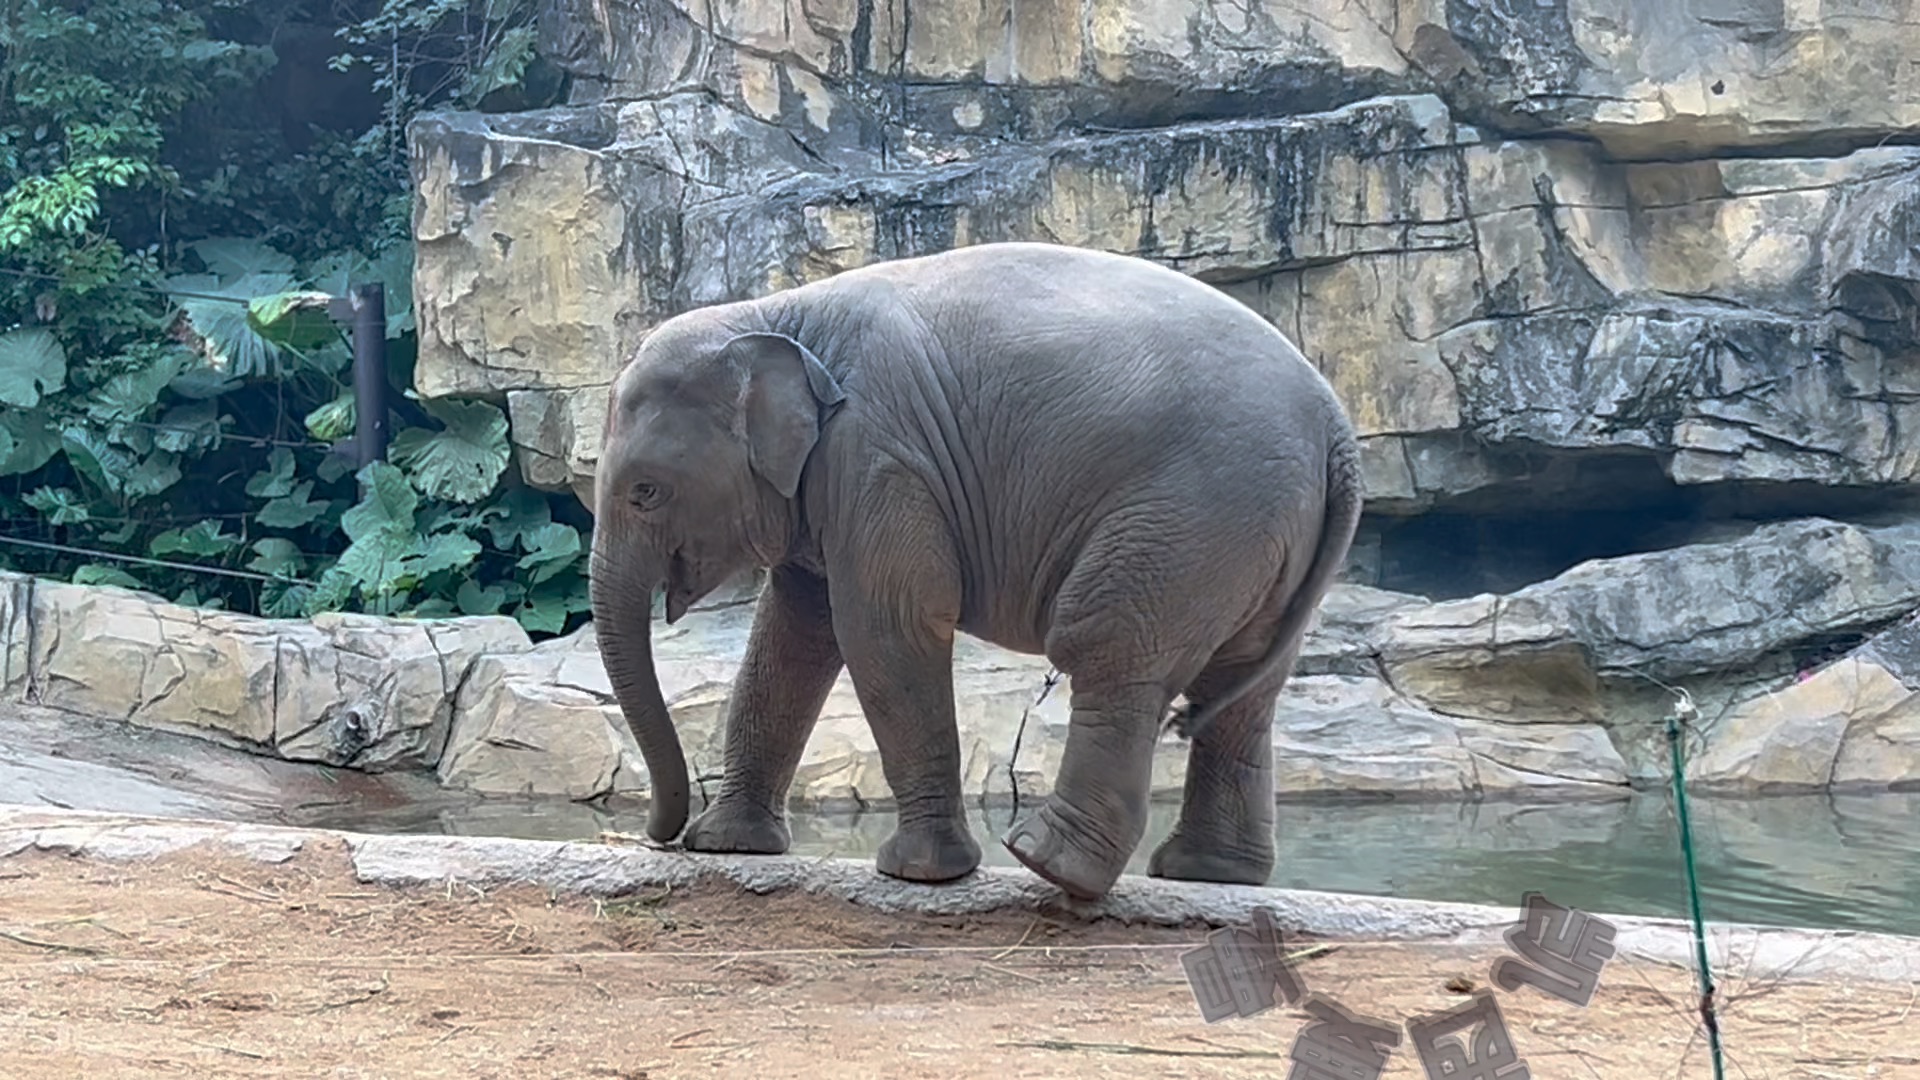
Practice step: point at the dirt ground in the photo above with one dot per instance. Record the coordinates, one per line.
(214, 967)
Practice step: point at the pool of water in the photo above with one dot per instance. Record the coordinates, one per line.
(1835, 862)
(1823, 862)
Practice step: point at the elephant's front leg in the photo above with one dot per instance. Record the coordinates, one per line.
(896, 603)
(904, 679)
(790, 666)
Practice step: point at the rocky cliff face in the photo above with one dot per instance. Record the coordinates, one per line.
(1622, 295)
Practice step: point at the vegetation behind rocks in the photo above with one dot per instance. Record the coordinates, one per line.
(182, 184)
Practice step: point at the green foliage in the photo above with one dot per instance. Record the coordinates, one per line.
(171, 376)
(462, 461)
(32, 363)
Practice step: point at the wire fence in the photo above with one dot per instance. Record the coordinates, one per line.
(363, 308)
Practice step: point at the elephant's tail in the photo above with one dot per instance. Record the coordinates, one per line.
(1339, 520)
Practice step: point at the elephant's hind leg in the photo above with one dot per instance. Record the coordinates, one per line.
(1140, 615)
(1225, 831)
(1083, 834)
(790, 666)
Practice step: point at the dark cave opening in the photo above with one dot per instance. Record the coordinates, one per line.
(1568, 508)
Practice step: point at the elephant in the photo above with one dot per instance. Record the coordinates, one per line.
(1065, 452)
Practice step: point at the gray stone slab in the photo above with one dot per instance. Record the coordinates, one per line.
(594, 869)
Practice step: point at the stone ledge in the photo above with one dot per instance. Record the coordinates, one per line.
(599, 870)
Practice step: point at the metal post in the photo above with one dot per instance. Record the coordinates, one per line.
(369, 374)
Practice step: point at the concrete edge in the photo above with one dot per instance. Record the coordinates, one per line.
(593, 869)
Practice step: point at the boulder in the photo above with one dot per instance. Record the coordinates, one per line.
(1654, 78)
(1853, 723)
(522, 727)
(1541, 653)
(349, 690)
(509, 205)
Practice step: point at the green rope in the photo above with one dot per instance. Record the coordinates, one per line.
(1707, 1015)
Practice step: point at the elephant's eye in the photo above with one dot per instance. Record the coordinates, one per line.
(646, 496)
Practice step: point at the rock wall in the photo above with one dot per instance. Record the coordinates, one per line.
(1623, 295)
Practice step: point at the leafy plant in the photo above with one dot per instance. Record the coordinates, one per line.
(172, 383)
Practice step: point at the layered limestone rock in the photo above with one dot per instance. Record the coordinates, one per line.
(1855, 723)
(544, 722)
(1472, 298)
(349, 690)
(1556, 689)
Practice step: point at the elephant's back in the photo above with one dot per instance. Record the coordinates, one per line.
(1095, 330)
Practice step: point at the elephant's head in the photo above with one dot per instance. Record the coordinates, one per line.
(708, 432)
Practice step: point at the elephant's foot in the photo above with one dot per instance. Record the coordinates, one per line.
(1182, 859)
(737, 826)
(1060, 844)
(929, 852)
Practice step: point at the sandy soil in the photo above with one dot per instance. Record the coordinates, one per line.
(205, 966)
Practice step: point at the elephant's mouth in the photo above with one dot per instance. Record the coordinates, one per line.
(683, 586)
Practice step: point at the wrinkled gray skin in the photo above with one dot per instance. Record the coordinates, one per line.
(1082, 455)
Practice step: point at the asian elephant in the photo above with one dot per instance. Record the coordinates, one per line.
(1059, 451)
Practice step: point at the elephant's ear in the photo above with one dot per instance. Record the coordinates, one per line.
(786, 388)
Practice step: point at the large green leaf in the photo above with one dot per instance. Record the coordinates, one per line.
(156, 473)
(295, 320)
(338, 273)
(294, 510)
(332, 592)
(503, 66)
(239, 256)
(332, 421)
(551, 548)
(475, 599)
(128, 395)
(461, 463)
(200, 383)
(446, 551)
(381, 562)
(276, 479)
(515, 514)
(547, 606)
(386, 504)
(32, 365)
(102, 574)
(219, 312)
(61, 506)
(275, 557)
(205, 540)
(33, 439)
(281, 599)
(189, 427)
(104, 465)
(394, 268)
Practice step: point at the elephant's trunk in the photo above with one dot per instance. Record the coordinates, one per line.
(622, 596)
